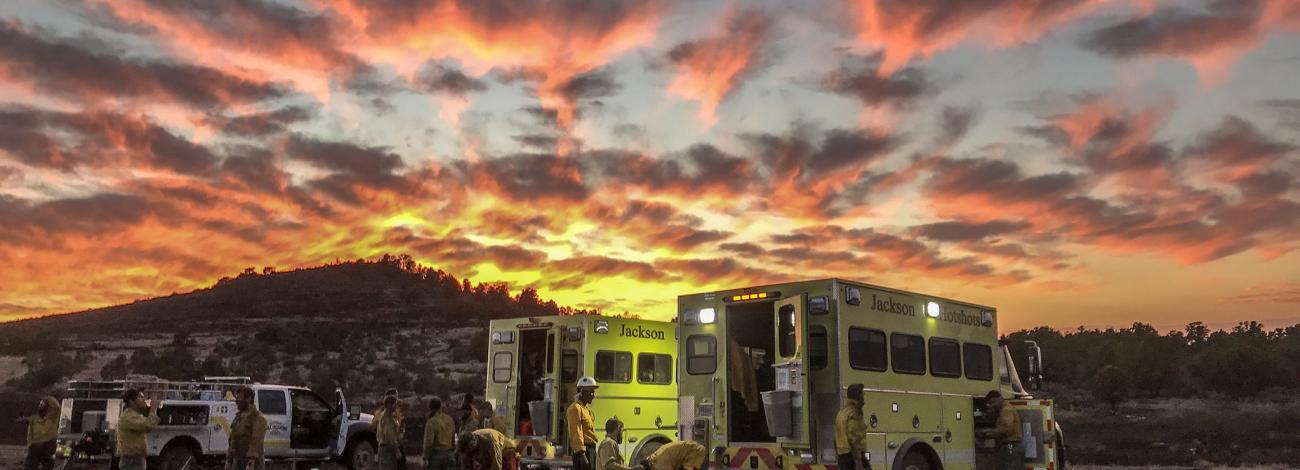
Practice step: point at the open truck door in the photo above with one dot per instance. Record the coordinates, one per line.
(787, 407)
(1040, 434)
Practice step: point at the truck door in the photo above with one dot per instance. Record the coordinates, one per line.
(788, 406)
(274, 405)
(1038, 432)
(347, 416)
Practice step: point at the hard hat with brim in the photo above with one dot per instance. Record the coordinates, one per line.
(587, 382)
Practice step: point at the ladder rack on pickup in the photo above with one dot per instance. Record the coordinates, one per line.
(212, 388)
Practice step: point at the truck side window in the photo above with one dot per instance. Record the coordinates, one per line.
(272, 402)
(550, 353)
(979, 361)
(502, 364)
(789, 344)
(701, 354)
(945, 357)
(817, 349)
(613, 366)
(867, 349)
(569, 366)
(908, 353)
(654, 369)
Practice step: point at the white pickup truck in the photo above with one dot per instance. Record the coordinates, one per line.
(195, 417)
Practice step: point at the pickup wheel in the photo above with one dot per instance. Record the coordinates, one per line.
(361, 455)
(914, 460)
(177, 457)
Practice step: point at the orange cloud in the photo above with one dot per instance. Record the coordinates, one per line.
(709, 69)
(904, 30)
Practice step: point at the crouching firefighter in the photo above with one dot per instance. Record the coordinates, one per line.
(608, 457)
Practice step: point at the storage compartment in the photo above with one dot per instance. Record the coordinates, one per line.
(93, 421)
(541, 416)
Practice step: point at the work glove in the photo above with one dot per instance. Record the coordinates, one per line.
(580, 460)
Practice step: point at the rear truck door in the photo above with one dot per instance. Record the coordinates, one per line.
(789, 402)
(347, 416)
(574, 353)
(274, 405)
(1038, 432)
(502, 377)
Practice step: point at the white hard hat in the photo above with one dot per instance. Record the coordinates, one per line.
(587, 382)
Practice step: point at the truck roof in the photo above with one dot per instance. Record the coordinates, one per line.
(847, 282)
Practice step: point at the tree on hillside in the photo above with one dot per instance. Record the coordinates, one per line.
(1110, 385)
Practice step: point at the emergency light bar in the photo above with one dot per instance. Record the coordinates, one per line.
(753, 296)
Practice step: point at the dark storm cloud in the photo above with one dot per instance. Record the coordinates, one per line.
(529, 176)
(344, 157)
(61, 68)
(591, 85)
(261, 124)
(960, 230)
(65, 141)
(27, 223)
(999, 179)
(1237, 149)
(901, 89)
(442, 78)
(1178, 30)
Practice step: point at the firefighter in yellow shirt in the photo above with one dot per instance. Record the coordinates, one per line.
(851, 433)
(439, 438)
(247, 435)
(42, 430)
(1011, 453)
(680, 455)
(388, 432)
(485, 449)
(608, 456)
(137, 420)
(582, 429)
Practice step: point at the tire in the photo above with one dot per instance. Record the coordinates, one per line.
(1061, 460)
(645, 451)
(177, 457)
(915, 460)
(360, 455)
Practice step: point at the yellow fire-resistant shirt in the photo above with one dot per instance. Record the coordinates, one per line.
(43, 429)
(492, 446)
(689, 455)
(608, 456)
(248, 434)
(582, 429)
(1008, 428)
(850, 429)
(498, 423)
(439, 434)
(388, 429)
(133, 431)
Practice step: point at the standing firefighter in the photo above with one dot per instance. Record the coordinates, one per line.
(680, 455)
(851, 433)
(42, 429)
(388, 431)
(247, 435)
(133, 427)
(439, 438)
(582, 429)
(1011, 453)
(486, 449)
(608, 457)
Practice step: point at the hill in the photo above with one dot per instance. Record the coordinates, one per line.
(389, 289)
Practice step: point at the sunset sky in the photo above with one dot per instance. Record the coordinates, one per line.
(1070, 162)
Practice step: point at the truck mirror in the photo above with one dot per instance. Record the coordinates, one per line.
(354, 412)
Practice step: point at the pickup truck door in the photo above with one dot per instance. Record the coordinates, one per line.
(347, 416)
(274, 405)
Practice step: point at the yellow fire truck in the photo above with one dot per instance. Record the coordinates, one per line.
(534, 365)
(763, 371)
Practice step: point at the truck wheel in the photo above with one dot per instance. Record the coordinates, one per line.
(915, 460)
(177, 457)
(361, 456)
(645, 451)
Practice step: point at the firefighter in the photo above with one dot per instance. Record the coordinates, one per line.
(490, 419)
(247, 434)
(608, 456)
(137, 420)
(486, 449)
(467, 420)
(851, 433)
(388, 431)
(42, 429)
(680, 455)
(439, 437)
(1011, 453)
(582, 431)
